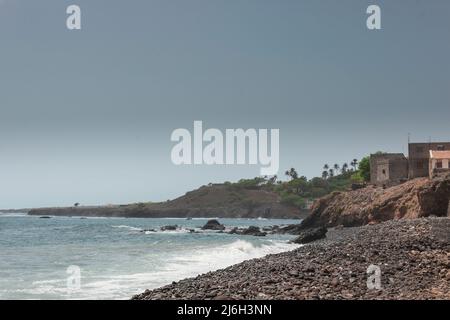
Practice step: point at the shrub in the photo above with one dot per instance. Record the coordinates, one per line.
(293, 200)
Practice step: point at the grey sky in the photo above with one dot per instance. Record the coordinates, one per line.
(86, 116)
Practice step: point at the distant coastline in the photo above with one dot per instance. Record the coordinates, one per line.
(132, 211)
(219, 200)
(15, 210)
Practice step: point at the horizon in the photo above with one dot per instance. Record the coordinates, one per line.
(279, 178)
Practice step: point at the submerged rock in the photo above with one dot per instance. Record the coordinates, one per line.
(213, 225)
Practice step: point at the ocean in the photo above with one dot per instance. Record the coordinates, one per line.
(116, 258)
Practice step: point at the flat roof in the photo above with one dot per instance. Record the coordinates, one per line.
(425, 143)
(435, 154)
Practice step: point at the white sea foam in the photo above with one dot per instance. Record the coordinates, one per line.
(207, 259)
(128, 228)
(16, 214)
(188, 264)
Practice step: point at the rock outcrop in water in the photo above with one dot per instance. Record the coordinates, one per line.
(213, 225)
(250, 231)
(169, 228)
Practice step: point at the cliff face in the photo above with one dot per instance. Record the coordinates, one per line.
(416, 198)
(208, 201)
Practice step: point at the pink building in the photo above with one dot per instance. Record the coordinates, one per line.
(439, 162)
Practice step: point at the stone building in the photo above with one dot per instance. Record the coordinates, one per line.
(419, 157)
(387, 169)
(425, 159)
(439, 163)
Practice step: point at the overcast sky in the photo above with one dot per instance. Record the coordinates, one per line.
(86, 116)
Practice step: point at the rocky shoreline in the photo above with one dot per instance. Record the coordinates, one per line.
(413, 257)
(303, 235)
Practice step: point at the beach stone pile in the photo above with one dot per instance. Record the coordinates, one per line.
(413, 257)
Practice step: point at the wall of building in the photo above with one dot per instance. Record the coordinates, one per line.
(434, 170)
(388, 169)
(448, 210)
(398, 169)
(419, 157)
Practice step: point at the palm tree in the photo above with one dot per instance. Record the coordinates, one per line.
(331, 173)
(336, 168)
(344, 167)
(354, 164)
(326, 167)
(325, 174)
(292, 173)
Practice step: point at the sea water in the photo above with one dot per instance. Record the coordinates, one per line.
(116, 257)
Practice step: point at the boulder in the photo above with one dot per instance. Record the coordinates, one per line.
(250, 231)
(253, 231)
(294, 229)
(311, 235)
(213, 225)
(169, 228)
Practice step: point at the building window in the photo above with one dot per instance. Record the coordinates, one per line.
(439, 164)
(384, 171)
(419, 149)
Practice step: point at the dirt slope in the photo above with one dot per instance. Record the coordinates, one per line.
(414, 199)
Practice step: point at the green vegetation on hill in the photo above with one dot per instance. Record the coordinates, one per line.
(298, 190)
(266, 197)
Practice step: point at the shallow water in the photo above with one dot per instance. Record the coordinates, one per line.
(116, 258)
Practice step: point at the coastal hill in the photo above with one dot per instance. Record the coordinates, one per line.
(256, 198)
(215, 200)
(421, 197)
(265, 197)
